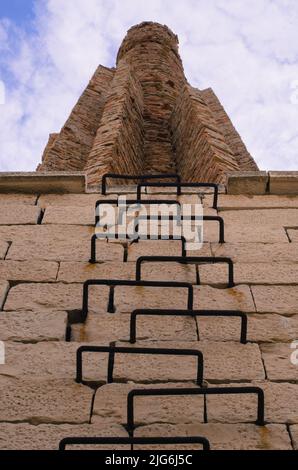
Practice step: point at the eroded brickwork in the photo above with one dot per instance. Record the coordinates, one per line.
(144, 117)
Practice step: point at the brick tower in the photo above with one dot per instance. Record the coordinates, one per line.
(144, 117)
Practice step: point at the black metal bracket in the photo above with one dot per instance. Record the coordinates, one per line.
(69, 441)
(139, 177)
(186, 313)
(186, 260)
(180, 185)
(194, 391)
(112, 283)
(112, 350)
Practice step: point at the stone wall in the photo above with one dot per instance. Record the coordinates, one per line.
(118, 145)
(69, 149)
(201, 151)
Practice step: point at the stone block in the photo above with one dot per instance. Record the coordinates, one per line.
(18, 198)
(38, 182)
(74, 200)
(277, 362)
(261, 328)
(81, 272)
(267, 218)
(45, 401)
(225, 436)
(283, 182)
(228, 202)
(162, 248)
(247, 182)
(169, 272)
(236, 298)
(31, 327)
(276, 299)
(19, 214)
(257, 252)
(34, 271)
(115, 327)
(25, 436)
(111, 402)
(69, 215)
(293, 235)
(242, 363)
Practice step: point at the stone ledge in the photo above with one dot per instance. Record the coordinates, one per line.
(39, 182)
(283, 182)
(247, 182)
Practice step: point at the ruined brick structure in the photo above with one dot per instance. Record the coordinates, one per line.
(144, 117)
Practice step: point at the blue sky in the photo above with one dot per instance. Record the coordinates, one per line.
(247, 51)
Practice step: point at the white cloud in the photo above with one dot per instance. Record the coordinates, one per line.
(246, 51)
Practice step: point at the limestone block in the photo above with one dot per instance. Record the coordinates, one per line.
(242, 232)
(261, 328)
(36, 271)
(225, 436)
(80, 272)
(250, 273)
(241, 362)
(277, 361)
(293, 235)
(281, 400)
(228, 202)
(236, 298)
(50, 361)
(69, 215)
(276, 299)
(19, 214)
(18, 198)
(73, 200)
(25, 436)
(32, 327)
(128, 299)
(4, 287)
(45, 401)
(257, 252)
(115, 327)
(3, 249)
(169, 272)
(247, 182)
(162, 248)
(294, 435)
(265, 217)
(39, 182)
(283, 182)
(57, 296)
(111, 402)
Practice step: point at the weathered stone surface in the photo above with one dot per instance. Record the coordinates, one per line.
(283, 182)
(69, 215)
(226, 436)
(43, 361)
(266, 217)
(47, 436)
(241, 231)
(228, 202)
(169, 272)
(128, 299)
(3, 249)
(42, 182)
(261, 328)
(32, 327)
(111, 402)
(257, 252)
(19, 214)
(80, 272)
(236, 298)
(277, 362)
(293, 234)
(45, 401)
(36, 271)
(4, 286)
(250, 273)
(115, 327)
(18, 198)
(242, 362)
(73, 200)
(162, 248)
(276, 299)
(57, 296)
(281, 401)
(294, 435)
(247, 182)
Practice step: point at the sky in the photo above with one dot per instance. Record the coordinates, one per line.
(246, 50)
